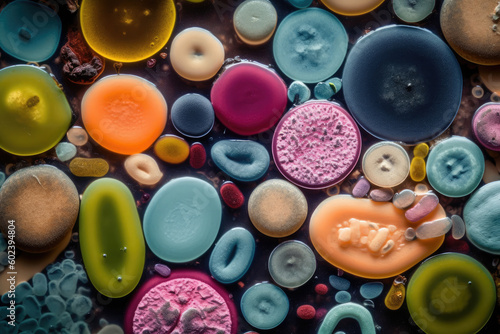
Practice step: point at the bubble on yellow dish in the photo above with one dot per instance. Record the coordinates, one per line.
(127, 30)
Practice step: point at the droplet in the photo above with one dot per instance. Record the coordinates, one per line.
(478, 92)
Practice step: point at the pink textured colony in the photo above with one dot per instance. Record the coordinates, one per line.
(182, 306)
(316, 145)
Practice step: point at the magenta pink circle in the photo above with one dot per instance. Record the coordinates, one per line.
(192, 277)
(486, 125)
(249, 98)
(316, 145)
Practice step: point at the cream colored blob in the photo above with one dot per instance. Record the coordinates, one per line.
(352, 7)
(196, 54)
(386, 164)
(143, 169)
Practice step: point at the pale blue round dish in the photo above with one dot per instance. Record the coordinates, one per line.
(182, 220)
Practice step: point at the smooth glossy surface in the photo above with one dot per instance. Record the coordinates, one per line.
(386, 164)
(182, 219)
(310, 45)
(408, 89)
(352, 7)
(292, 264)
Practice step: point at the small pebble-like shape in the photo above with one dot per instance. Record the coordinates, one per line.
(421, 150)
(306, 312)
(455, 166)
(77, 136)
(348, 310)
(381, 194)
(89, 167)
(255, 21)
(80, 327)
(339, 283)
(361, 188)
(371, 290)
(65, 151)
(243, 160)
(68, 266)
(48, 321)
(143, 168)
(111, 329)
(172, 149)
(404, 199)
(482, 218)
(232, 255)
(417, 169)
(39, 284)
(23, 290)
(32, 306)
(396, 295)
(386, 164)
(277, 208)
(343, 297)
(458, 227)
(81, 305)
(310, 45)
(67, 285)
(248, 98)
(421, 189)
(298, 92)
(323, 91)
(426, 205)
(291, 264)
(55, 304)
(264, 306)
(113, 263)
(321, 289)
(197, 155)
(410, 234)
(193, 115)
(182, 219)
(44, 203)
(434, 229)
(232, 195)
(163, 270)
(65, 320)
(469, 27)
(55, 273)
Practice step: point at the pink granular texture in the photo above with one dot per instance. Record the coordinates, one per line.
(182, 306)
(317, 144)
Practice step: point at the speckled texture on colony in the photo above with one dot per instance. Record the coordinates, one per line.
(316, 145)
(182, 305)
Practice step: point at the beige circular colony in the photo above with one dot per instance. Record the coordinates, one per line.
(277, 208)
(44, 204)
(196, 54)
(472, 28)
(386, 164)
(143, 168)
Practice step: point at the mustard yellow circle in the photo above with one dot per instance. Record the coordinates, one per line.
(127, 30)
(352, 7)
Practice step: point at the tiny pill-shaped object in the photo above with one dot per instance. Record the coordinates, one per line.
(417, 169)
(421, 150)
(434, 228)
(404, 199)
(425, 206)
(84, 167)
(458, 227)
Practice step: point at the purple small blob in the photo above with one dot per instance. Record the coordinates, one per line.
(361, 188)
(422, 208)
(162, 270)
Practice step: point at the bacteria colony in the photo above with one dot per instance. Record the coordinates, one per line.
(223, 167)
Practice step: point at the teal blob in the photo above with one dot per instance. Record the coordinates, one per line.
(68, 266)
(39, 284)
(232, 255)
(455, 166)
(65, 151)
(32, 306)
(300, 3)
(310, 45)
(371, 290)
(55, 273)
(48, 320)
(412, 11)
(81, 305)
(28, 325)
(482, 218)
(30, 30)
(342, 297)
(23, 290)
(55, 304)
(348, 310)
(65, 320)
(80, 327)
(182, 219)
(67, 285)
(323, 91)
(339, 283)
(298, 92)
(264, 306)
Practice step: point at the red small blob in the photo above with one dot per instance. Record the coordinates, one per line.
(197, 155)
(321, 289)
(231, 195)
(459, 246)
(306, 312)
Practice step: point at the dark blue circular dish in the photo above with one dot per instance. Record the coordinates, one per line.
(193, 115)
(402, 83)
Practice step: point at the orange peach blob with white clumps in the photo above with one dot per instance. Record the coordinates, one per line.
(366, 238)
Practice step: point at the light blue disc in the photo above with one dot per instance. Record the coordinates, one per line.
(182, 219)
(310, 45)
(300, 3)
(264, 306)
(29, 31)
